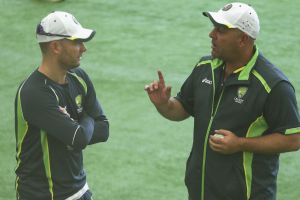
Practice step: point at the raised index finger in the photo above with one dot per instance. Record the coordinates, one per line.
(161, 78)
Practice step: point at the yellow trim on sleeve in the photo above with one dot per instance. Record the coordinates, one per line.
(292, 131)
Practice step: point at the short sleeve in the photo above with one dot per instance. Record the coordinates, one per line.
(186, 95)
(281, 111)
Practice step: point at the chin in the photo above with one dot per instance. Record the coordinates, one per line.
(214, 56)
(55, 0)
(72, 67)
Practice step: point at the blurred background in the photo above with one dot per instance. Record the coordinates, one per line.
(145, 155)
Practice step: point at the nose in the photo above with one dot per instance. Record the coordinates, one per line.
(82, 47)
(212, 33)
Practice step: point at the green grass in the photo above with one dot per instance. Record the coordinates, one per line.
(145, 155)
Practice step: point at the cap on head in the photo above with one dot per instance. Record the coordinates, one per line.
(237, 15)
(62, 25)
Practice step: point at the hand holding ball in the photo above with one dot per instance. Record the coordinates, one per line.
(218, 136)
(55, 1)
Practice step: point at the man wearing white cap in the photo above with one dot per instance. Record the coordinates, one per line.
(57, 115)
(244, 108)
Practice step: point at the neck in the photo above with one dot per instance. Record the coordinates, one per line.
(54, 72)
(239, 61)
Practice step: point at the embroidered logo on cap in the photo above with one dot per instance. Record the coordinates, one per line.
(227, 7)
(75, 20)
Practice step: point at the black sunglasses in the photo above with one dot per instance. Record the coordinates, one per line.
(40, 31)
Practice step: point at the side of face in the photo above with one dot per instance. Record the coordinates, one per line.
(71, 52)
(226, 42)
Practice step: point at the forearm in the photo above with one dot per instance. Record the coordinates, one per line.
(84, 132)
(101, 132)
(270, 144)
(172, 110)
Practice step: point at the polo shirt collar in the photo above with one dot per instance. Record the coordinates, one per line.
(245, 70)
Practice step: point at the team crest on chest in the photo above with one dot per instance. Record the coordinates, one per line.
(240, 94)
(78, 101)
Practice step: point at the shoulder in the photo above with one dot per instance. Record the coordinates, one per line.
(204, 61)
(35, 88)
(79, 71)
(208, 61)
(271, 74)
(35, 82)
(82, 77)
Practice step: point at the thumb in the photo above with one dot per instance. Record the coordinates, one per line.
(168, 91)
(222, 132)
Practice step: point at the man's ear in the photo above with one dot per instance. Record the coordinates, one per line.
(55, 47)
(245, 39)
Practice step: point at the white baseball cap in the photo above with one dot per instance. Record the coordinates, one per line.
(62, 25)
(237, 15)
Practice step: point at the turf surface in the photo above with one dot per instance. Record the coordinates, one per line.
(145, 155)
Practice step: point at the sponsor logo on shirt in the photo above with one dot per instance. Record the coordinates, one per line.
(205, 80)
(240, 94)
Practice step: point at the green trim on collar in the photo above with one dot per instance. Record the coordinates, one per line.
(238, 70)
(203, 63)
(245, 73)
(215, 63)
